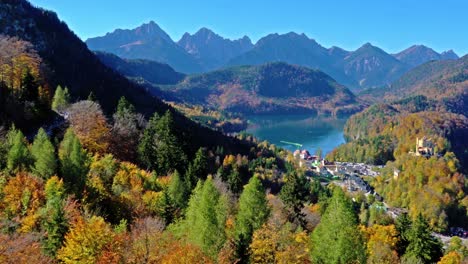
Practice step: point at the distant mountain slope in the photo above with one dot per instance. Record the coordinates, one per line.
(148, 41)
(154, 72)
(372, 67)
(211, 50)
(269, 88)
(368, 66)
(419, 54)
(71, 64)
(293, 48)
(445, 81)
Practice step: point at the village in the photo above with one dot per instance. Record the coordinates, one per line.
(347, 174)
(351, 176)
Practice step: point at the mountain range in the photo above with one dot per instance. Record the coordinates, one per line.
(70, 63)
(366, 67)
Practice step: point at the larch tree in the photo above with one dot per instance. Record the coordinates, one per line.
(124, 107)
(337, 238)
(253, 213)
(178, 191)
(61, 99)
(73, 163)
(18, 156)
(206, 218)
(54, 221)
(43, 153)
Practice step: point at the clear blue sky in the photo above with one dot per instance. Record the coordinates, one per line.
(390, 24)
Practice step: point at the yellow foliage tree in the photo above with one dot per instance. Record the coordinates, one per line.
(452, 257)
(85, 240)
(136, 188)
(271, 244)
(381, 244)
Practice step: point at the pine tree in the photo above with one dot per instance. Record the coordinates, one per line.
(197, 169)
(294, 193)
(18, 156)
(54, 221)
(170, 155)
(43, 152)
(253, 212)
(403, 226)
(74, 163)
(159, 148)
(206, 218)
(317, 191)
(165, 207)
(234, 181)
(61, 99)
(147, 149)
(422, 244)
(337, 238)
(29, 87)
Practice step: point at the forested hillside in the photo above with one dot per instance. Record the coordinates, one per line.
(443, 83)
(269, 88)
(151, 71)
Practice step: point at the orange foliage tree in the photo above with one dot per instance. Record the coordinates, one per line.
(23, 195)
(90, 126)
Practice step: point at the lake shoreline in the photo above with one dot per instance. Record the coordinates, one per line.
(306, 132)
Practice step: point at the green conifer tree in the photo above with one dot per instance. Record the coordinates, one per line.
(422, 244)
(73, 163)
(43, 153)
(147, 149)
(403, 226)
(54, 221)
(294, 193)
(197, 169)
(337, 238)
(178, 191)
(206, 218)
(18, 157)
(170, 155)
(124, 107)
(253, 213)
(61, 99)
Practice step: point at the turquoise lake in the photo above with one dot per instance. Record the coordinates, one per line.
(311, 132)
